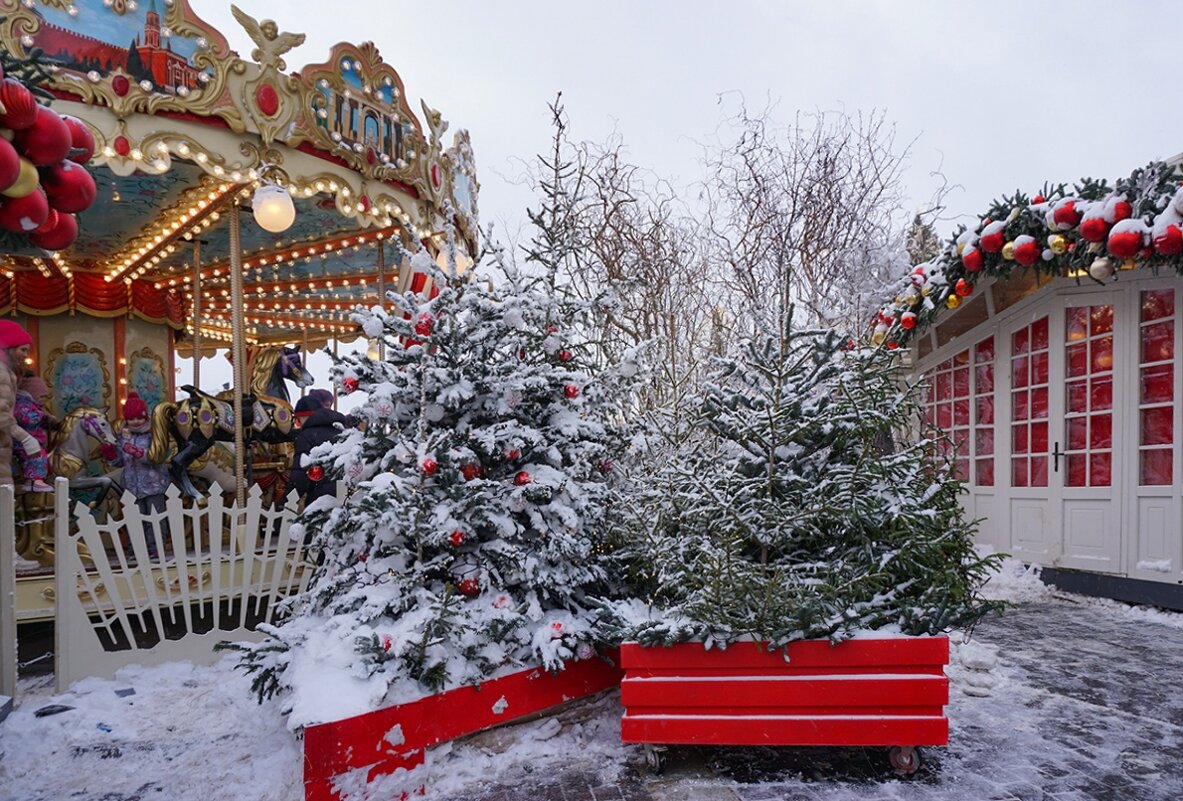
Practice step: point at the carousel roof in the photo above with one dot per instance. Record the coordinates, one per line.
(186, 129)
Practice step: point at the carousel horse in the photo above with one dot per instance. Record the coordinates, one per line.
(73, 449)
(194, 424)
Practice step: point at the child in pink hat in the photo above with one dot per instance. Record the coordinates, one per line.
(14, 349)
(32, 416)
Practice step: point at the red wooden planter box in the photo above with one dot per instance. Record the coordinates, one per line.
(887, 691)
(365, 748)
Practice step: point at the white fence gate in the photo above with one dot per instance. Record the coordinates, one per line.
(169, 585)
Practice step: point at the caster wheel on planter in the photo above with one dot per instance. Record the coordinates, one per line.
(655, 759)
(905, 759)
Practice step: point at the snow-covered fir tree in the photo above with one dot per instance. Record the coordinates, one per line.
(791, 515)
(479, 487)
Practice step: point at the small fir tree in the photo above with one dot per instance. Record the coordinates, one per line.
(791, 516)
(479, 491)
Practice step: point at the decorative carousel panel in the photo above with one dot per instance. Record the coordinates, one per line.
(131, 55)
(146, 378)
(78, 376)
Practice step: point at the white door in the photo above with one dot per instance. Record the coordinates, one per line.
(1026, 417)
(1086, 457)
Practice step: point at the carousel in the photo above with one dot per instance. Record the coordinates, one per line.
(237, 206)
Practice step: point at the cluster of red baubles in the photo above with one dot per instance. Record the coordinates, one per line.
(43, 182)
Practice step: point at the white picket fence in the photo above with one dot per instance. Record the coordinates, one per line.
(165, 586)
(8, 653)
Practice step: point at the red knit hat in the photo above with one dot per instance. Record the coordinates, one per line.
(134, 407)
(12, 335)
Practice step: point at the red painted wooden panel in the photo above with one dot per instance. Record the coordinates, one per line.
(880, 655)
(331, 749)
(769, 730)
(764, 691)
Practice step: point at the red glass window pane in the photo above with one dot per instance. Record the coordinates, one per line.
(1018, 439)
(1101, 320)
(945, 416)
(1158, 341)
(1102, 393)
(1018, 471)
(1077, 465)
(1020, 371)
(1158, 426)
(985, 410)
(943, 386)
(961, 469)
(1039, 334)
(1099, 464)
(961, 382)
(1156, 304)
(1038, 438)
(1101, 431)
(1077, 433)
(1019, 406)
(1039, 403)
(985, 472)
(1101, 351)
(1156, 469)
(1158, 384)
(1078, 359)
(1039, 368)
(984, 352)
(1019, 342)
(1076, 324)
(1078, 397)
(984, 376)
(1039, 471)
(961, 412)
(984, 441)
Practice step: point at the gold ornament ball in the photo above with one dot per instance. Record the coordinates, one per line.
(911, 299)
(1129, 264)
(960, 248)
(1058, 244)
(1008, 251)
(877, 338)
(925, 291)
(953, 302)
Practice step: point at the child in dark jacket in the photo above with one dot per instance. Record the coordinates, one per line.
(321, 425)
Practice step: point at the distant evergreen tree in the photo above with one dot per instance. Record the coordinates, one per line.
(135, 65)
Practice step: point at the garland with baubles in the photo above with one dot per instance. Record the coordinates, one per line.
(43, 180)
(1088, 232)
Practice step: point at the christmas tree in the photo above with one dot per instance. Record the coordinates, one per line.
(791, 515)
(479, 487)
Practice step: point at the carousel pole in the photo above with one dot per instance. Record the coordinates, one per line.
(303, 352)
(381, 293)
(239, 351)
(197, 313)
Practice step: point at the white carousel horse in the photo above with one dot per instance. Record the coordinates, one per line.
(82, 433)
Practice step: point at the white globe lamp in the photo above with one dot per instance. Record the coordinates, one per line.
(273, 208)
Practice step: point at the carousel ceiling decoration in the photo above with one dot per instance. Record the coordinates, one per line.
(185, 128)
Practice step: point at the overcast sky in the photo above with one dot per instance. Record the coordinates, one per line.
(998, 96)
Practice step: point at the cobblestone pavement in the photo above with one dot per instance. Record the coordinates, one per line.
(1062, 700)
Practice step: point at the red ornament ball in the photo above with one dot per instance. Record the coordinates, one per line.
(513, 454)
(1027, 250)
(963, 288)
(68, 186)
(972, 259)
(892, 344)
(1124, 244)
(387, 642)
(81, 140)
(22, 215)
(565, 355)
(471, 470)
(1169, 241)
(908, 320)
(1094, 229)
(993, 237)
(428, 467)
(571, 391)
(1122, 210)
(349, 384)
(315, 473)
(1066, 216)
(606, 466)
(522, 478)
(1037, 199)
(20, 107)
(58, 233)
(457, 538)
(424, 324)
(10, 164)
(47, 140)
(469, 587)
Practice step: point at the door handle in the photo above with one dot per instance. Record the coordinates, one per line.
(1056, 454)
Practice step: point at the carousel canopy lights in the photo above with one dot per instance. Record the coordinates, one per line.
(273, 208)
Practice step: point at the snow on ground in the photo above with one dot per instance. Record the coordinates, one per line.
(186, 733)
(197, 733)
